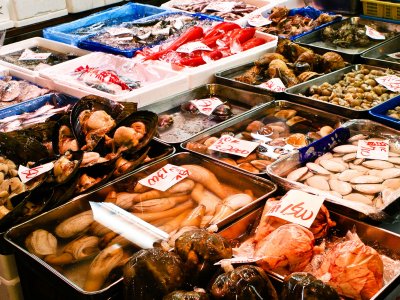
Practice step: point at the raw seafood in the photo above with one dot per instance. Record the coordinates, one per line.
(287, 24)
(394, 112)
(357, 89)
(292, 64)
(198, 294)
(41, 243)
(238, 10)
(13, 91)
(54, 58)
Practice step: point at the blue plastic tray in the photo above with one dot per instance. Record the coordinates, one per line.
(34, 104)
(90, 45)
(112, 16)
(311, 12)
(378, 113)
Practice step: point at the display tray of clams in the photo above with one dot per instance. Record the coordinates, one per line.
(384, 55)
(291, 63)
(285, 251)
(367, 189)
(279, 127)
(387, 113)
(350, 37)
(179, 119)
(84, 243)
(351, 91)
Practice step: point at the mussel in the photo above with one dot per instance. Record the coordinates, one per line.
(222, 112)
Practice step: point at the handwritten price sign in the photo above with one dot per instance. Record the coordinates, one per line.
(26, 174)
(373, 34)
(297, 207)
(221, 6)
(208, 105)
(30, 55)
(274, 84)
(391, 82)
(258, 20)
(373, 149)
(232, 145)
(164, 178)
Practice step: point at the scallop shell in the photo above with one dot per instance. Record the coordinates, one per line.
(358, 168)
(349, 157)
(318, 182)
(345, 149)
(327, 155)
(358, 198)
(392, 183)
(317, 169)
(297, 174)
(390, 173)
(349, 174)
(370, 188)
(366, 179)
(394, 160)
(377, 164)
(333, 166)
(357, 137)
(306, 176)
(358, 161)
(342, 187)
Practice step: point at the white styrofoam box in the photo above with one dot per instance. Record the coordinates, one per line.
(8, 267)
(75, 6)
(157, 82)
(26, 12)
(10, 289)
(37, 42)
(5, 21)
(205, 73)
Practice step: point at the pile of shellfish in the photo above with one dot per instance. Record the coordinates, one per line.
(369, 181)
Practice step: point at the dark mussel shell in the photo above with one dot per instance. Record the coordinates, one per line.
(128, 162)
(92, 103)
(222, 112)
(92, 177)
(148, 118)
(18, 203)
(63, 127)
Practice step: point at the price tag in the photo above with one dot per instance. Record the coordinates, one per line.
(297, 207)
(373, 34)
(276, 151)
(373, 149)
(114, 31)
(391, 82)
(395, 55)
(232, 145)
(274, 84)
(221, 6)
(193, 46)
(30, 55)
(164, 178)
(208, 105)
(258, 20)
(26, 174)
(260, 137)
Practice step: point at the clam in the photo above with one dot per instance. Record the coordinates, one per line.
(366, 179)
(370, 189)
(286, 114)
(349, 157)
(358, 161)
(63, 138)
(332, 165)
(377, 164)
(327, 155)
(358, 168)
(390, 173)
(344, 149)
(394, 160)
(341, 187)
(306, 176)
(222, 112)
(307, 75)
(392, 183)
(297, 174)
(358, 198)
(318, 182)
(317, 169)
(357, 137)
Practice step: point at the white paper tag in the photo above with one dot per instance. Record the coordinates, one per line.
(391, 82)
(395, 55)
(232, 145)
(208, 105)
(26, 174)
(164, 178)
(238, 260)
(373, 34)
(193, 46)
(126, 224)
(276, 151)
(373, 149)
(258, 20)
(260, 137)
(30, 55)
(297, 207)
(221, 6)
(274, 84)
(114, 31)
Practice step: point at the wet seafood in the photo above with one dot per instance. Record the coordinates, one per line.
(165, 122)
(74, 225)
(13, 91)
(292, 64)
(286, 25)
(53, 58)
(356, 90)
(41, 243)
(239, 10)
(394, 112)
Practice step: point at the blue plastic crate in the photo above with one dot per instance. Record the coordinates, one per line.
(378, 113)
(90, 45)
(126, 13)
(36, 103)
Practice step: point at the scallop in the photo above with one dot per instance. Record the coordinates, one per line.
(318, 182)
(390, 173)
(370, 188)
(349, 174)
(342, 187)
(344, 149)
(349, 157)
(317, 169)
(366, 179)
(297, 174)
(377, 164)
(358, 198)
(358, 161)
(333, 166)
(392, 183)
(327, 155)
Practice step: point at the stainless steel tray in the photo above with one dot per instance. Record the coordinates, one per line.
(377, 56)
(297, 92)
(16, 236)
(238, 124)
(185, 127)
(370, 235)
(280, 168)
(227, 77)
(314, 39)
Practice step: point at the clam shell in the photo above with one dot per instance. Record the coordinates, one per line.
(349, 174)
(390, 173)
(393, 154)
(358, 161)
(378, 201)
(338, 154)
(358, 167)
(374, 172)
(357, 137)
(341, 161)
(342, 187)
(306, 176)
(394, 160)
(334, 193)
(377, 164)
(333, 166)
(317, 169)
(327, 155)
(392, 183)
(349, 157)
(358, 198)
(370, 188)
(366, 179)
(345, 149)
(297, 174)
(318, 182)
